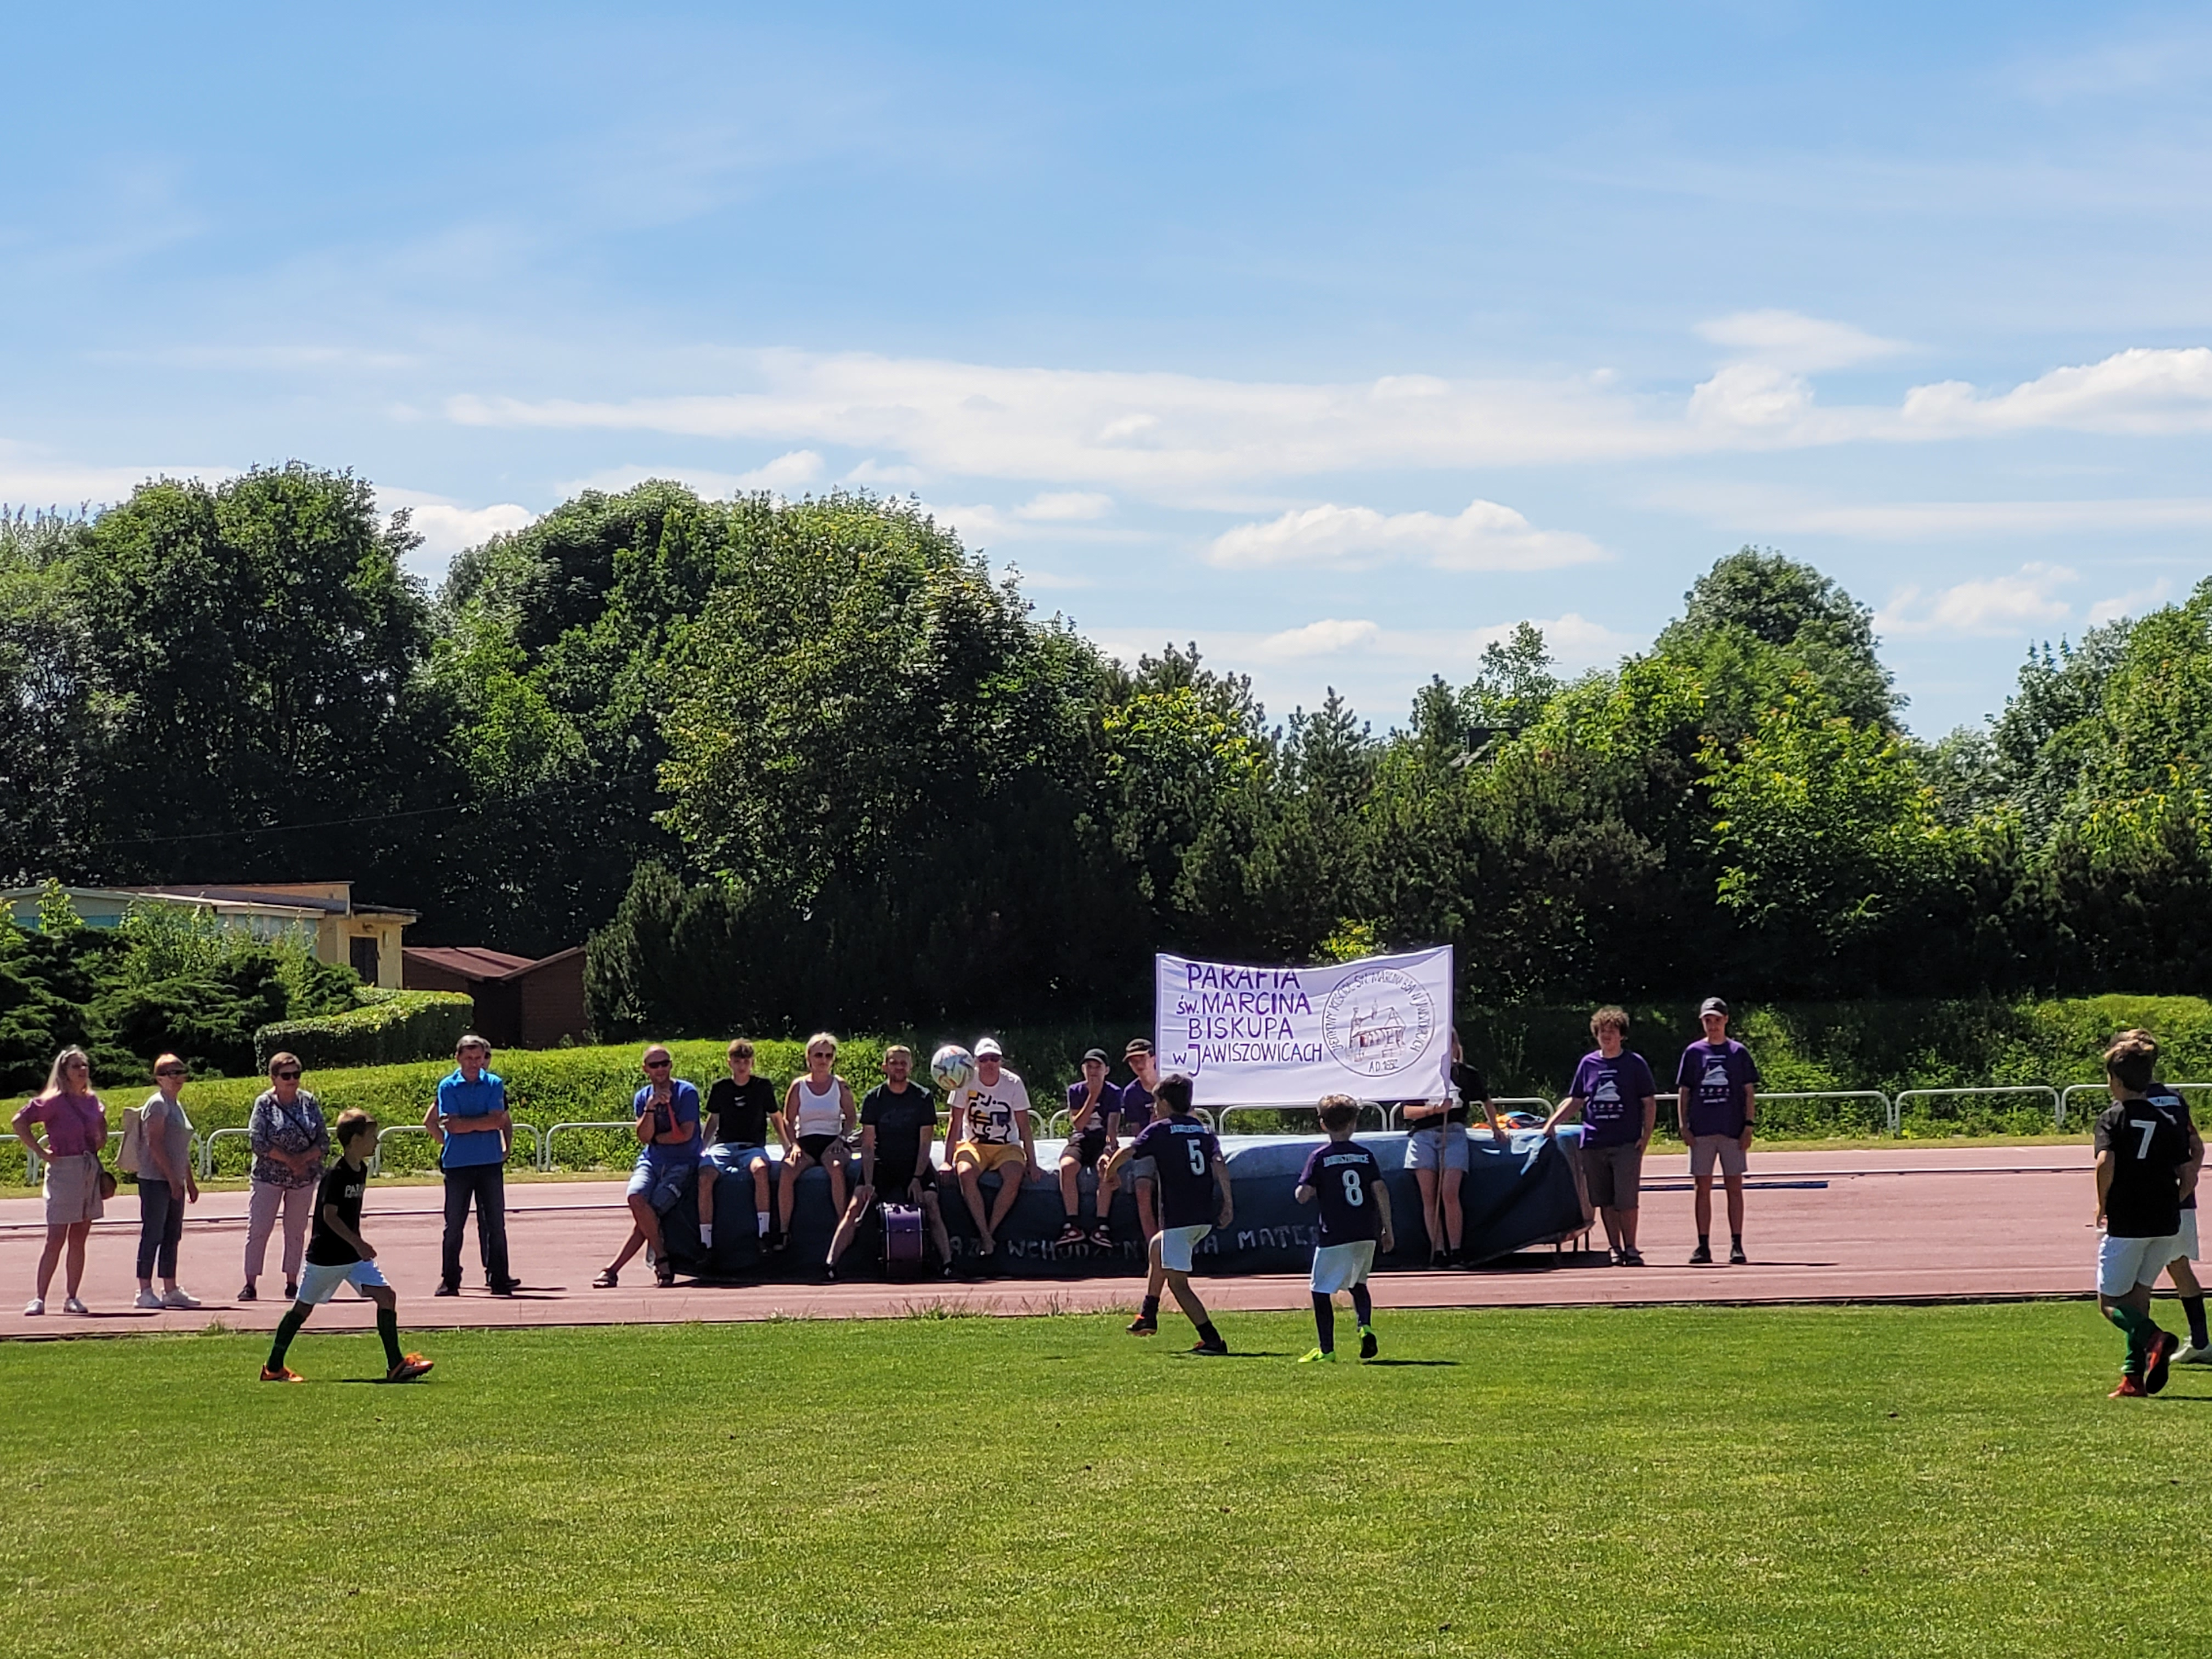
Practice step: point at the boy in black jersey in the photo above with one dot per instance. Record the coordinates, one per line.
(1355, 1213)
(2148, 1158)
(1191, 1171)
(337, 1255)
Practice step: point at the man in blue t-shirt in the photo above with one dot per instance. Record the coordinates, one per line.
(1346, 1180)
(1716, 1086)
(667, 1109)
(474, 1133)
(1617, 1099)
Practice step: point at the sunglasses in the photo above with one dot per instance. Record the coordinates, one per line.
(657, 1065)
(288, 1076)
(171, 1071)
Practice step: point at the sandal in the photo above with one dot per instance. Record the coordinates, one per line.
(607, 1281)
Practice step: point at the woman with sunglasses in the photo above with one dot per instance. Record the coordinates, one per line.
(76, 1133)
(291, 1145)
(164, 1186)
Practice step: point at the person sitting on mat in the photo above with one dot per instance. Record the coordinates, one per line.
(898, 1120)
(667, 1110)
(818, 1121)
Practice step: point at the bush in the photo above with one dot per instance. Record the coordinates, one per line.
(404, 1026)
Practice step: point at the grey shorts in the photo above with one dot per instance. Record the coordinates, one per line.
(1613, 1175)
(1144, 1168)
(1728, 1149)
(72, 1190)
(1422, 1152)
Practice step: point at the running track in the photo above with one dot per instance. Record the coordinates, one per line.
(1908, 1224)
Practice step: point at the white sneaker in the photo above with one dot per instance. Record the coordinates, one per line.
(179, 1296)
(71, 1304)
(2190, 1354)
(146, 1299)
(34, 1306)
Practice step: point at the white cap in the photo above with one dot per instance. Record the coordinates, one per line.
(988, 1046)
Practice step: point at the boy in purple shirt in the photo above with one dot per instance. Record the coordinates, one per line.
(1347, 1181)
(1617, 1099)
(1716, 1086)
(1190, 1172)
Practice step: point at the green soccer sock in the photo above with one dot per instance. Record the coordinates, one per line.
(387, 1326)
(2139, 1331)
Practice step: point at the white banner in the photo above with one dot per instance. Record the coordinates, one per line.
(1378, 1029)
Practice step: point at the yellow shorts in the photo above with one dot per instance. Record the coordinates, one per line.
(984, 1156)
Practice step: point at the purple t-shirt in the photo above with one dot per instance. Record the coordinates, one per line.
(76, 1124)
(1343, 1176)
(1613, 1092)
(1109, 1102)
(1184, 1150)
(1715, 1076)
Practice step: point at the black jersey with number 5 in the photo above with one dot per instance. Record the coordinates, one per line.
(1184, 1149)
(2148, 1146)
(1343, 1176)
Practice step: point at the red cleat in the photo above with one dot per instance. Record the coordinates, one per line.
(2129, 1389)
(281, 1374)
(408, 1369)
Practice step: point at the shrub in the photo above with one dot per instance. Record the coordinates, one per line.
(409, 1025)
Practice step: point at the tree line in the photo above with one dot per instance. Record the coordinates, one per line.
(787, 763)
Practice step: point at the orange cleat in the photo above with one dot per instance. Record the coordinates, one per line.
(281, 1374)
(408, 1369)
(2129, 1389)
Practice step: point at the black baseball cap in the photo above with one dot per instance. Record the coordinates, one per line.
(1713, 1005)
(1098, 1054)
(1138, 1046)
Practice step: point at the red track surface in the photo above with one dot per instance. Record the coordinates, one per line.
(1910, 1224)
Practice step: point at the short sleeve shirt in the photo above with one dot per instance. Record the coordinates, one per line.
(1715, 1075)
(1613, 1093)
(340, 1188)
(458, 1097)
(296, 1128)
(165, 1118)
(741, 1111)
(1136, 1107)
(1343, 1176)
(683, 1109)
(76, 1124)
(991, 1110)
(1109, 1102)
(2166, 1095)
(898, 1117)
(2149, 1145)
(1184, 1150)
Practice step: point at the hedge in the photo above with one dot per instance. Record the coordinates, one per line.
(397, 1027)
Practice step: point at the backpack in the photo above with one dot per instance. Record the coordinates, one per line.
(132, 1151)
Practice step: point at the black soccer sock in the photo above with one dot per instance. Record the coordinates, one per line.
(387, 1326)
(1706, 1242)
(1152, 1310)
(286, 1328)
(1363, 1304)
(1209, 1336)
(2194, 1307)
(1325, 1322)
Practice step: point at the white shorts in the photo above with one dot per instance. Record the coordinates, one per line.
(1339, 1267)
(2124, 1263)
(1177, 1242)
(2187, 1235)
(319, 1285)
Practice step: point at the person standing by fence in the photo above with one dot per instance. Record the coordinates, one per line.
(1716, 1087)
(164, 1186)
(290, 1142)
(1617, 1099)
(76, 1133)
(475, 1133)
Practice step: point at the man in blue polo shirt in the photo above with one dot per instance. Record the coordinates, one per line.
(475, 1130)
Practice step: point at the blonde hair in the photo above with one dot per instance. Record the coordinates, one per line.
(818, 1039)
(58, 1073)
(899, 1048)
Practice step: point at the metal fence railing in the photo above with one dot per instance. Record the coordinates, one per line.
(2066, 1095)
(2057, 1103)
(1888, 1106)
(1381, 1112)
(626, 1126)
(1395, 1118)
(207, 1147)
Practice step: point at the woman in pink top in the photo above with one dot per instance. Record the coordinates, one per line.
(76, 1133)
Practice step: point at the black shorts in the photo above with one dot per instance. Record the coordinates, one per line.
(892, 1182)
(814, 1145)
(1088, 1148)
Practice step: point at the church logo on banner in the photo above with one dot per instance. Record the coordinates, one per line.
(1378, 1023)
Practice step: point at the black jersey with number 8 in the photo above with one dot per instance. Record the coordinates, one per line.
(2148, 1146)
(1343, 1176)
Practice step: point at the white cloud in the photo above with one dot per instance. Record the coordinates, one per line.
(873, 471)
(445, 527)
(1792, 340)
(1317, 639)
(1992, 604)
(2132, 603)
(1751, 396)
(783, 474)
(1760, 510)
(1057, 506)
(2143, 390)
(1484, 537)
(34, 478)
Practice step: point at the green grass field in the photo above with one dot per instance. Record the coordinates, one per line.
(1879, 1481)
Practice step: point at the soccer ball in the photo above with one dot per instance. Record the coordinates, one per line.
(952, 1068)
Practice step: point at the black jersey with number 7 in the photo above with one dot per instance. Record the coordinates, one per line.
(2148, 1146)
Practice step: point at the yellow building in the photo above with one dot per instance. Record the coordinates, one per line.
(367, 938)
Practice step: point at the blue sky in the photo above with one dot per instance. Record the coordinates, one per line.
(1337, 342)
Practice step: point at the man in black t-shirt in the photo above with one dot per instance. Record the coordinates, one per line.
(337, 1255)
(898, 1121)
(2148, 1158)
(739, 1108)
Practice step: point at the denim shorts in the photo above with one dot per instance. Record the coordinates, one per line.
(659, 1184)
(729, 1159)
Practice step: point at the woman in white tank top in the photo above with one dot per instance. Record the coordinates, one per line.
(817, 1115)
